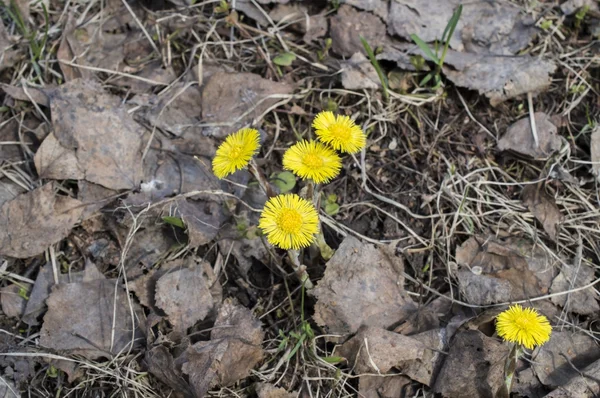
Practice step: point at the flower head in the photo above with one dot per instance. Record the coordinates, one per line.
(235, 153)
(289, 221)
(340, 132)
(312, 160)
(523, 326)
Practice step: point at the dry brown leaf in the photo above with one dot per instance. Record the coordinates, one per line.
(202, 220)
(13, 303)
(36, 220)
(184, 296)
(349, 24)
(92, 319)
(585, 385)
(563, 357)
(54, 161)
(375, 350)
(26, 94)
(583, 302)
(244, 250)
(595, 150)
(570, 7)
(494, 271)
(9, 190)
(377, 7)
(312, 26)
(424, 369)
(234, 349)
(160, 363)
(484, 27)
(101, 134)
(94, 197)
(266, 390)
(527, 384)
(9, 132)
(362, 285)
(236, 99)
(543, 207)
(519, 138)
(384, 387)
(358, 73)
(8, 56)
(473, 368)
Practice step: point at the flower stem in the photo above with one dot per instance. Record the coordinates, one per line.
(314, 194)
(300, 269)
(510, 367)
(262, 180)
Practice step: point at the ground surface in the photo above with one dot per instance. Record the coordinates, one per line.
(128, 269)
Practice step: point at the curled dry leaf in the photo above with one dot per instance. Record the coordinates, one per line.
(474, 367)
(233, 100)
(358, 73)
(495, 271)
(563, 357)
(234, 349)
(362, 285)
(349, 24)
(519, 138)
(582, 302)
(543, 207)
(36, 220)
(92, 319)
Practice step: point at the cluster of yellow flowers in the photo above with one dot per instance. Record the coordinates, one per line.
(289, 221)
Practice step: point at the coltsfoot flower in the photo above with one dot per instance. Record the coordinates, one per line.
(312, 160)
(236, 152)
(524, 326)
(340, 132)
(289, 221)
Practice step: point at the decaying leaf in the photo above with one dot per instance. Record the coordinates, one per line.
(8, 388)
(362, 285)
(563, 357)
(92, 319)
(233, 100)
(202, 220)
(595, 150)
(543, 207)
(94, 197)
(377, 7)
(425, 369)
(582, 302)
(160, 363)
(349, 24)
(9, 190)
(570, 7)
(585, 385)
(375, 350)
(519, 138)
(495, 271)
(100, 134)
(8, 56)
(384, 387)
(234, 349)
(25, 93)
(474, 366)
(35, 220)
(266, 390)
(13, 299)
(358, 73)
(497, 27)
(244, 250)
(312, 26)
(185, 297)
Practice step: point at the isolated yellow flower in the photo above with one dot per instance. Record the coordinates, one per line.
(235, 153)
(289, 221)
(312, 160)
(523, 326)
(340, 132)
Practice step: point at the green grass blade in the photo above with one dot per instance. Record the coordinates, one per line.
(377, 67)
(450, 28)
(423, 46)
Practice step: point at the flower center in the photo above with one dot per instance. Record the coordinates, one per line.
(289, 221)
(235, 152)
(522, 323)
(340, 132)
(312, 161)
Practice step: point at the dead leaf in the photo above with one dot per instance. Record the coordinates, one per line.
(377, 7)
(384, 387)
(252, 11)
(583, 302)
(92, 319)
(519, 138)
(236, 99)
(244, 250)
(8, 56)
(595, 150)
(13, 303)
(358, 73)
(494, 271)
(543, 207)
(8, 388)
(362, 285)
(349, 24)
(266, 390)
(581, 386)
(498, 28)
(36, 305)
(570, 7)
(202, 220)
(483, 356)
(527, 384)
(54, 161)
(9, 191)
(234, 349)
(36, 220)
(425, 369)
(26, 94)
(160, 363)
(94, 197)
(99, 132)
(9, 132)
(563, 357)
(184, 296)
(312, 26)
(375, 350)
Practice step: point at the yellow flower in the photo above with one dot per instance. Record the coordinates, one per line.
(340, 132)
(235, 153)
(289, 221)
(523, 326)
(312, 160)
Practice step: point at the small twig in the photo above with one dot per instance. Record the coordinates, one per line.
(262, 180)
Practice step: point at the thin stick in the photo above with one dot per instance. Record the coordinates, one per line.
(536, 140)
